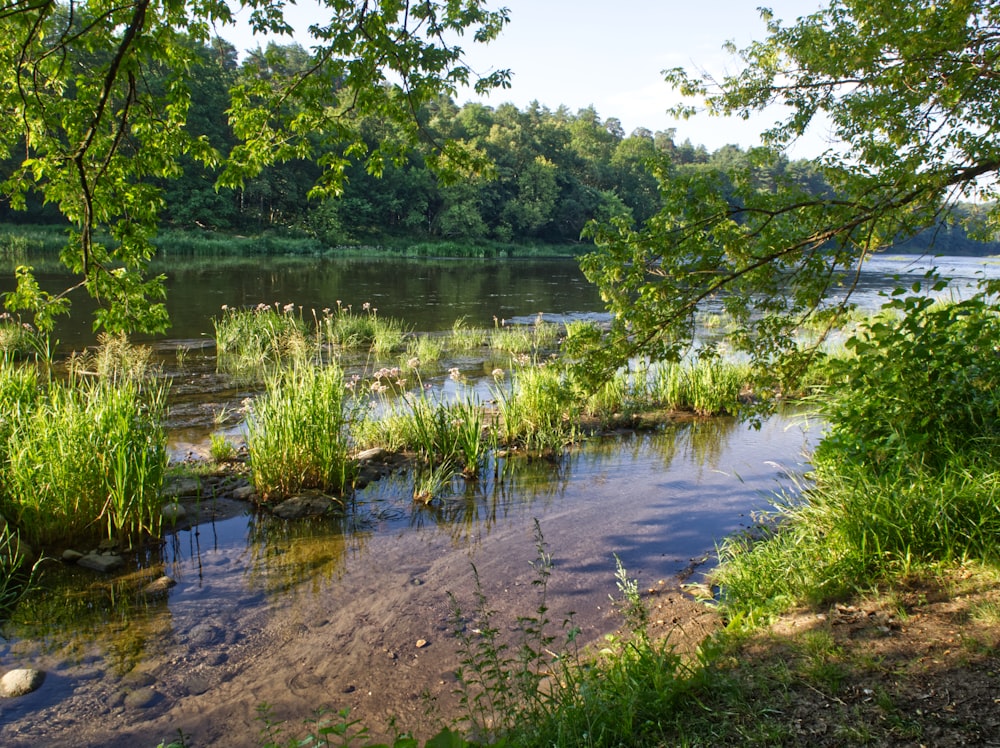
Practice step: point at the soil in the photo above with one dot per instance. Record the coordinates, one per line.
(918, 667)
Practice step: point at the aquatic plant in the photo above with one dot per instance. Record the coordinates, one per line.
(251, 340)
(85, 457)
(539, 408)
(342, 326)
(524, 339)
(707, 386)
(297, 432)
(465, 338)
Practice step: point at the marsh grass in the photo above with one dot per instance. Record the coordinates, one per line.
(253, 340)
(465, 338)
(18, 573)
(539, 408)
(297, 432)
(86, 458)
(529, 340)
(345, 328)
(427, 349)
(706, 386)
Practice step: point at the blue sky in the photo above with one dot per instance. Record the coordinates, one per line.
(610, 55)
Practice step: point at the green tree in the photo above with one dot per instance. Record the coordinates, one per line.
(908, 91)
(95, 99)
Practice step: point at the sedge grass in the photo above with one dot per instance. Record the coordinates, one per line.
(705, 386)
(250, 341)
(465, 338)
(538, 409)
(297, 432)
(86, 458)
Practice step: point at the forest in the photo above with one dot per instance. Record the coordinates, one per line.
(536, 176)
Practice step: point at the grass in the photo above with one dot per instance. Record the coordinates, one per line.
(83, 459)
(297, 432)
(538, 409)
(251, 341)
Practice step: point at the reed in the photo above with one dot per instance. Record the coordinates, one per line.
(297, 432)
(465, 338)
(87, 458)
(250, 341)
(538, 409)
(706, 386)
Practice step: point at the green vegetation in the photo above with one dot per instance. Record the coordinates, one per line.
(297, 432)
(82, 458)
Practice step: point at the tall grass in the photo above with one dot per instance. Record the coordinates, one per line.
(705, 386)
(538, 409)
(297, 432)
(84, 458)
(343, 327)
(250, 341)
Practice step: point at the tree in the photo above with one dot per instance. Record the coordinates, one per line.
(908, 91)
(95, 98)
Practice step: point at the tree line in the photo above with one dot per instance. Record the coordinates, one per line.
(536, 175)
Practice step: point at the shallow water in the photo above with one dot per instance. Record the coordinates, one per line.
(255, 594)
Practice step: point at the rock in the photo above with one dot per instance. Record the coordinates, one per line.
(70, 556)
(244, 493)
(367, 455)
(100, 562)
(173, 513)
(421, 643)
(306, 505)
(20, 682)
(141, 698)
(158, 587)
(181, 487)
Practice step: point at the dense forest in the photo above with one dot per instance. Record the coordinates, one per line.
(535, 176)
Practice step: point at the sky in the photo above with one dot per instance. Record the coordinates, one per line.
(610, 55)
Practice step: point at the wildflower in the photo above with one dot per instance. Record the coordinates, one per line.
(497, 374)
(455, 374)
(366, 306)
(225, 307)
(289, 308)
(413, 363)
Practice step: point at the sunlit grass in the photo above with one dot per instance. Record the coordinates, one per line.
(86, 459)
(297, 432)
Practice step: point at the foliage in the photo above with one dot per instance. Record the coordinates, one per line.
(98, 98)
(907, 93)
(83, 458)
(297, 432)
(922, 384)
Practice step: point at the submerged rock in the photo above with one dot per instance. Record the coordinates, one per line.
(101, 562)
(173, 513)
(20, 682)
(306, 505)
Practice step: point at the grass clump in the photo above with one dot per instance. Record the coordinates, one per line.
(297, 432)
(345, 328)
(706, 386)
(539, 408)
(83, 458)
(252, 340)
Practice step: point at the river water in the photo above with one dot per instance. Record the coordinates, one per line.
(327, 613)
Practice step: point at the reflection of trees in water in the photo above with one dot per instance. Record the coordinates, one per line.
(282, 554)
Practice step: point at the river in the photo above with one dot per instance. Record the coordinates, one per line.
(329, 613)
